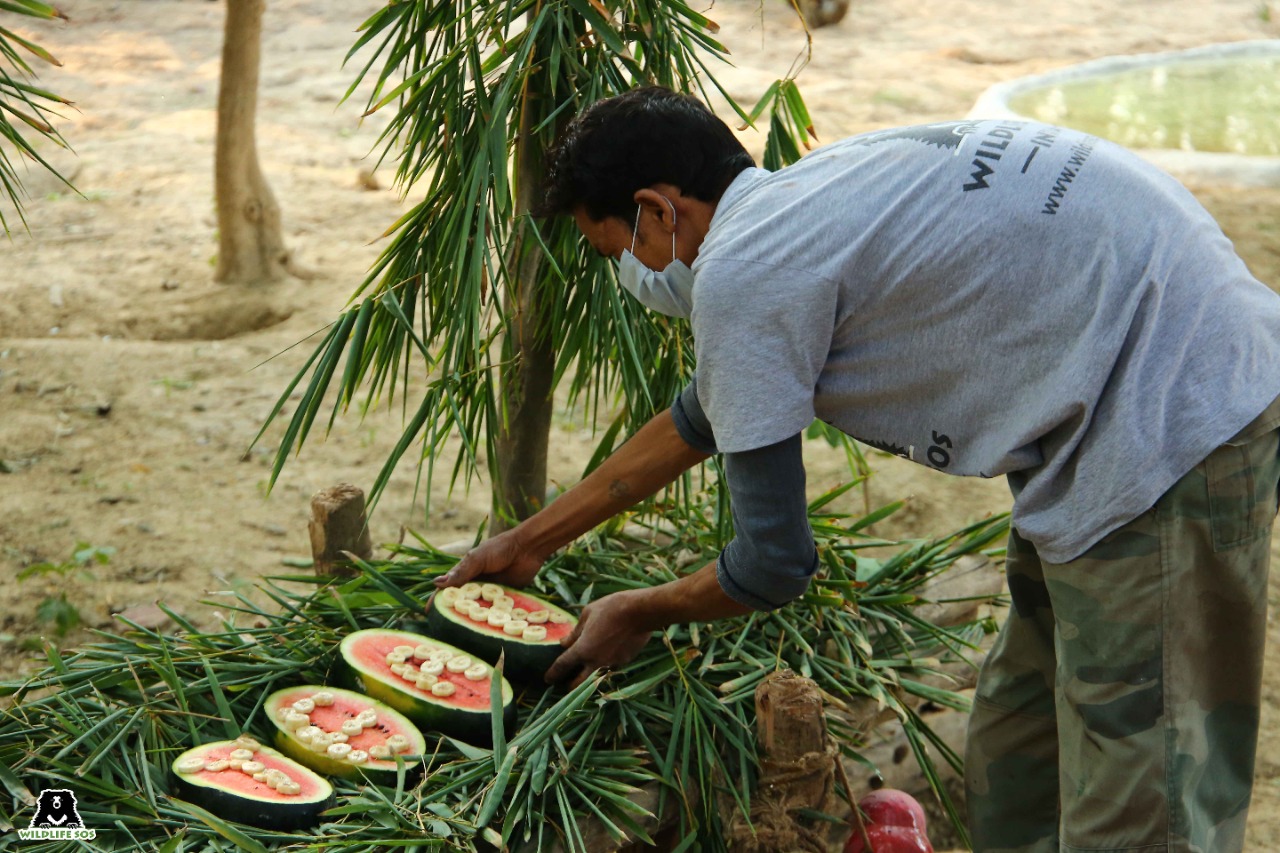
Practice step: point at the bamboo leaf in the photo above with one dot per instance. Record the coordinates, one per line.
(497, 726)
(220, 826)
(229, 726)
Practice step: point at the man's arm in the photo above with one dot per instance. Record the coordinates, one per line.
(654, 457)
(613, 629)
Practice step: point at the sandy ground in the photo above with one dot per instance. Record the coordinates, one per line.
(128, 401)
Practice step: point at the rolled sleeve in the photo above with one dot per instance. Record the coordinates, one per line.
(772, 557)
(691, 421)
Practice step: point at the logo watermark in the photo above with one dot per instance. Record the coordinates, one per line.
(56, 818)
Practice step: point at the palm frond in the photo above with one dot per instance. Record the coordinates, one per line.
(461, 82)
(24, 104)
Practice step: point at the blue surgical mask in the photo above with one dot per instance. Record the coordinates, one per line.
(668, 292)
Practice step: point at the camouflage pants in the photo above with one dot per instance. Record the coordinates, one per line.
(1119, 707)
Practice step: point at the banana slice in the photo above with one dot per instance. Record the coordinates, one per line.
(443, 688)
(534, 633)
(515, 627)
(458, 664)
(351, 728)
(192, 765)
(323, 699)
(339, 750)
(538, 617)
(477, 672)
(252, 767)
(357, 756)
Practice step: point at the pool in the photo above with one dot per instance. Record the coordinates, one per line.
(1212, 111)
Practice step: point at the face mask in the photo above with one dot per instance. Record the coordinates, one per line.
(668, 292)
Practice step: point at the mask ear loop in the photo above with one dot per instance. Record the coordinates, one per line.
(636, 230)
(673, 228)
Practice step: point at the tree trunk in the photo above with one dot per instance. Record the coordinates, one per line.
(250, 244)
(525, 389)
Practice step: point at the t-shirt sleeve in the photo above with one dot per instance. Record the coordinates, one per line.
(761, 336)
(691, 422)
(772, 556)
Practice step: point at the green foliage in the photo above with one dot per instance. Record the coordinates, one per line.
(474, 86)
(56, 610)
(108, 720)
(22, 103)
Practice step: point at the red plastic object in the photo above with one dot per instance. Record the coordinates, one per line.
(890, 839)
(895, 823)
(892, 807)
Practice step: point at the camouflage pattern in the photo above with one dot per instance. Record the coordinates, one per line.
(1119, 707)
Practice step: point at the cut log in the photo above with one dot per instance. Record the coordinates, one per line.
(338, 525)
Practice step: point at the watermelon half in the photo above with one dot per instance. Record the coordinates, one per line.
(489, 620)
(341, 733)
(243, 781)
(439, 687)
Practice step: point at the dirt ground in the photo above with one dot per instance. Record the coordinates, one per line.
(130, 394)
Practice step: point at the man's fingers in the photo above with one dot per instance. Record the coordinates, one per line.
(563, 668)
(462, 572)
(573, 637)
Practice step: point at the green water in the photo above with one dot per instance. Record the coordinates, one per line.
(1224, 105)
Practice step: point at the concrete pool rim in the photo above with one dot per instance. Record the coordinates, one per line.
(1196, 165)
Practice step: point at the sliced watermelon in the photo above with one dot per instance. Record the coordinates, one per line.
(244, 781)
(439, 687)
(489, 620)
(341, 733)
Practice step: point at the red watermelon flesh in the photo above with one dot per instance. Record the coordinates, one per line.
(555, 631)
(372, 650)
(245, 785)
(331, 717)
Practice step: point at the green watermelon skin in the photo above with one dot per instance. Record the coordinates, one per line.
(523, 662)
(362, 672)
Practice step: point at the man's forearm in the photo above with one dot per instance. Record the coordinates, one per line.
(693, 598)
(654, 457)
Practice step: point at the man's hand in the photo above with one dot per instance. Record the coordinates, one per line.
(504, 559)
(614, 629)
(609, 633)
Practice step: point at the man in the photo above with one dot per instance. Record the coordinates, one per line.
(986, 298)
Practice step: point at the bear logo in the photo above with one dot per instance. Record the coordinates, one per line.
(57, 810)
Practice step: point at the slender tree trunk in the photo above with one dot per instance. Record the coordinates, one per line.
(525, 391)
(250, 243)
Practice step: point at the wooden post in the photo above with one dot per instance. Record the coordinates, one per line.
(338, 524)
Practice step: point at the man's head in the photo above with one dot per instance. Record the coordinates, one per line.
(648, 150)
(637, 139)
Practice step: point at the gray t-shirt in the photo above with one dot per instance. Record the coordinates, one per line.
(986, 298)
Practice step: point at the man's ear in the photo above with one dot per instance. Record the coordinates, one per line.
(654, 202)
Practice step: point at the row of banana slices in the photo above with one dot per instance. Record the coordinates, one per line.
(501, 611)
(423, 666)
(241, 760)
(297, 719)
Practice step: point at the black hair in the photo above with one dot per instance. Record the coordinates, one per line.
(642, 137)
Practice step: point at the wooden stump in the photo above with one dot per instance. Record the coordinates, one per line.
(338, 525)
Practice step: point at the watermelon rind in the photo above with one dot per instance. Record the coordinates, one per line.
(429, 712)
(390, 721)
(525, 661)
(259, 806)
